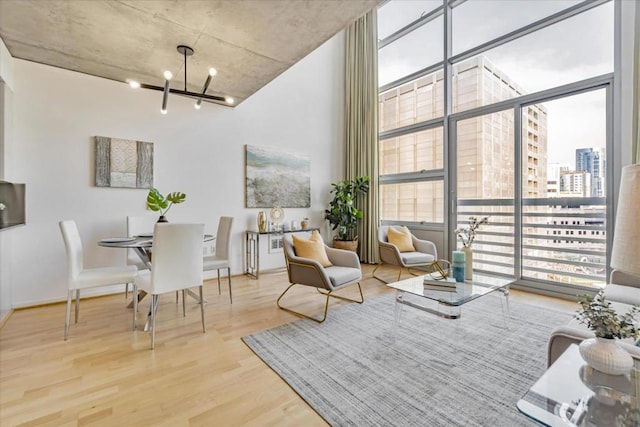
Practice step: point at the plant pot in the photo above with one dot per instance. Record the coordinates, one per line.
(605, 355)
(162, 219)
(349, 245)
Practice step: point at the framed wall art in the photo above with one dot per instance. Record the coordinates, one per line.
(123, 163)
(275, 177)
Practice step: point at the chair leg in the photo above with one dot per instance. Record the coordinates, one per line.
(326, 307)
(135, 306)
(68, 315)
(218, 270)
(77, 303)
(331, 294)
(229, 277)
(184, 303)
(154, 308)
(126, 291)
(202, 309)
(378, 277)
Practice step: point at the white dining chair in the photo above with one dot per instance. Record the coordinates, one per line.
(138, 225)
(220, 259)
(80, 278)
(177, 266)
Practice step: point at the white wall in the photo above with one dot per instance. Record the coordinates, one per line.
(57, 113)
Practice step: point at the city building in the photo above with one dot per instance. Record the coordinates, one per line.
(593, 160)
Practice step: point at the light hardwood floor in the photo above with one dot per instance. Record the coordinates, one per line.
(105, 374)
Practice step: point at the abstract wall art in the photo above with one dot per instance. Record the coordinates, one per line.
(275, 177)
(123, 163)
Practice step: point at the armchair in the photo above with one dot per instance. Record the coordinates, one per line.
(344, 270)
(421, 253)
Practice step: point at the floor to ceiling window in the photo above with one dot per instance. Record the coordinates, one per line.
(501, 108)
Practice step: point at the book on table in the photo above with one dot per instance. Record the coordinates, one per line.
(447, 284)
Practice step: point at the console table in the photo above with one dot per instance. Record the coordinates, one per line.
(252, 247)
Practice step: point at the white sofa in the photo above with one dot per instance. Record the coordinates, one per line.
(623, 292)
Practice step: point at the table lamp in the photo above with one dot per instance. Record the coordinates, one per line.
(625, 255)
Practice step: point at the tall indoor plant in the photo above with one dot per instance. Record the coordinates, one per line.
(343, 214)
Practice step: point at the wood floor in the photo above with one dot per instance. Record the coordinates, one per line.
(105, 374)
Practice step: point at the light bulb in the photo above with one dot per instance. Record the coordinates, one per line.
(212, 71)
(229, 100)
(198, 104)
(163, 111)
(134, 84)
(168, 75)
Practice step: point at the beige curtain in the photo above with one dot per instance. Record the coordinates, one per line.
(635, 150)
(361, 110)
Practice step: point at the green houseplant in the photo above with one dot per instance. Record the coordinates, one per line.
(602, 352)
(159, 203)
(343, 214)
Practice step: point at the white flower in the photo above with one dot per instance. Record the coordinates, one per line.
(2, 206)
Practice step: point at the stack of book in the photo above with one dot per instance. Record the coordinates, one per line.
(446, 285)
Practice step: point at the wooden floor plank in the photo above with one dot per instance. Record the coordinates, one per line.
(106, 375)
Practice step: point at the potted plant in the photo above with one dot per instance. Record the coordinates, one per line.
(343, 214)
(159, 203)
(602, 352)
(467, 235)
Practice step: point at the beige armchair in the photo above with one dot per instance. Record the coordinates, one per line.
(344, 271)
(424, 255)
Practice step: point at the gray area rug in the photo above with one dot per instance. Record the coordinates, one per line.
(359, 369)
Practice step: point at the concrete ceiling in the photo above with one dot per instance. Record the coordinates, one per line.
(249, 42)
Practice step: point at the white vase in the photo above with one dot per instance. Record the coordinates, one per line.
(468, 268)
(605, 355)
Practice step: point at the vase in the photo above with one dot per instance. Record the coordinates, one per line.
(468, 268)
(304, 223)
(162, 219)
(262, 222)
(605, 355)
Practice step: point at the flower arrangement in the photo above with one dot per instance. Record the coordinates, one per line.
(468, 234)
(596, 312)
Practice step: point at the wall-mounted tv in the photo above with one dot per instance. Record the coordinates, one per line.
(12, 204)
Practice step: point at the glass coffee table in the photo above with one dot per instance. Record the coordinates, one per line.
(448, 302)
(571, 393)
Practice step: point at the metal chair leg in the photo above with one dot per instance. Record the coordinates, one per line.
(229, 277)
(126, 291)
(135, 306)
(378, 277)
(77, 304)
(184, 303)
(154, 308)
(326, 304)
(202, 309)
(68, 315)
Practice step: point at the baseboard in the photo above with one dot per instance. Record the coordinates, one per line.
(4, 316)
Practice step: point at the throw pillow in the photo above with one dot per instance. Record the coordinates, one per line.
(401, 239)
(312, 248)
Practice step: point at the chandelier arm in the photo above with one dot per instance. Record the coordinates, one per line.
(195, 95)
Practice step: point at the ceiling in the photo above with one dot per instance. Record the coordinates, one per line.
(249, 42)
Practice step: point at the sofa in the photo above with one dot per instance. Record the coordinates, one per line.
(623, 291)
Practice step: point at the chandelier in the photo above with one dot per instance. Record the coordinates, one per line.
(198, 96)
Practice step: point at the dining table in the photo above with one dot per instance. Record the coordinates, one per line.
(142, 245)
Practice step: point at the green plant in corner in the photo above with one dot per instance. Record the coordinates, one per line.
(343, 215)
(159, 203)
(599, 316)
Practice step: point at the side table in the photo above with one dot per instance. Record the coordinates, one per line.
(252, 248)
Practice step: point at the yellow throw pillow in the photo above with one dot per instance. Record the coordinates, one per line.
(401, 239)
(312, 248)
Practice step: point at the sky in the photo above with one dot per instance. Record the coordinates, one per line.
(571, 50)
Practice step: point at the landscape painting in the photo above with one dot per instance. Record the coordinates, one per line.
(123, 163)
(275, 177)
